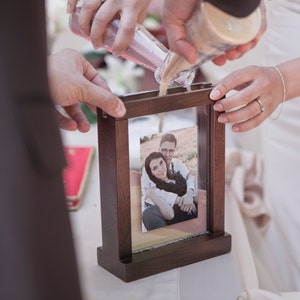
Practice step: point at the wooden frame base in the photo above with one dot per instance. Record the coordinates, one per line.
(172, 256)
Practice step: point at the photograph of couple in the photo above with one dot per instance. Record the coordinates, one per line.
(168, 178)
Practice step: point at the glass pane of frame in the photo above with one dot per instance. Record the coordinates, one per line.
(173, 206)
(130, 251)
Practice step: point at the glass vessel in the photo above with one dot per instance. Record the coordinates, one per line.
(145, 50)
(212, 32)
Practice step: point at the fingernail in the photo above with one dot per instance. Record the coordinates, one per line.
(235, 129)
(83, 34)
(120, 110)
(96, 45)
(218, 107)
(116, 53)
(222, 119)
(215, 94)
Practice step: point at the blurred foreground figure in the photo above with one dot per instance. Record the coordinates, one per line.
(37, 257)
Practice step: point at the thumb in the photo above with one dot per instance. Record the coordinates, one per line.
(100, 95)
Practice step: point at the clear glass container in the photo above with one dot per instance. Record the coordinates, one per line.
(212, 32)
(145, 50)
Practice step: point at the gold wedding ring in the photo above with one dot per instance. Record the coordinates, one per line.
(261, 106)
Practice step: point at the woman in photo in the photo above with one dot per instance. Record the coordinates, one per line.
(158, 212)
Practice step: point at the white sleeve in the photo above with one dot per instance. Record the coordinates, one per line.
(180, 167)
(191, 182)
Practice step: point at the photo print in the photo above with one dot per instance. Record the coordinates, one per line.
(168, 178)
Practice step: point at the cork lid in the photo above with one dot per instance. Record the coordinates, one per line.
(239, 9)
(232, 29)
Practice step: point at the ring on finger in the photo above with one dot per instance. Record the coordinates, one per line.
(261, 106)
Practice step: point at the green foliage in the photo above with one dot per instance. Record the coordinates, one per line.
(91, 116)
(191, 156)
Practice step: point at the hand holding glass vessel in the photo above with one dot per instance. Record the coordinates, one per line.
(210, 30)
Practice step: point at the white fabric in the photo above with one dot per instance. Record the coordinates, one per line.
(281, 151)
(247, 219)
(255, 294)
(244, 200)
(244, 196)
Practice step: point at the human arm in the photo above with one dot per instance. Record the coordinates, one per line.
(252, 83)
(186, 202)
(175, 16)
(73, 80)
(165, 209)
(95, 15)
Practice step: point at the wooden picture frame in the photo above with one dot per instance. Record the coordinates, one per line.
(116, 254)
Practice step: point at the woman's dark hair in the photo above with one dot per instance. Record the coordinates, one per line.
(179, 187)
(149, 158)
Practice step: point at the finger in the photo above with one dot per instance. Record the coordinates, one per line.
(177, 40)
(243, 114)
(88, 9)
(233, 54)
(71, 4)
(220, 60)
(143, 13)
(75, 112)
(187, 50)
(194, 208)
(186, 207)
(190, 209)
(103, 16)
(246, 47)
(125, 33)
(231, 82)
(233, 102)
(182, 47)
(65, 122)
(183, 208)
(93, 108)
(99, 95)
(249, 124)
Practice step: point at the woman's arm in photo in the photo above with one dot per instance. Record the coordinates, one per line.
(165, 209)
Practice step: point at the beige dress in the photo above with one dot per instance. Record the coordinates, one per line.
(281, 151)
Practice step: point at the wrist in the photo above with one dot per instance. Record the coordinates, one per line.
(190, 191)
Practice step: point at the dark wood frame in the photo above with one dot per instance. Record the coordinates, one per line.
(116, 253)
